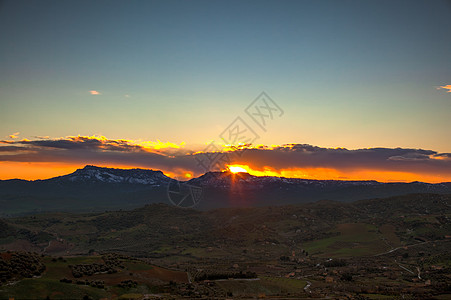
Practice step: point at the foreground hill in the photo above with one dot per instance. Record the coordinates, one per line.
(98, 189)
(105, 276)
(154, 229)
(392, 246)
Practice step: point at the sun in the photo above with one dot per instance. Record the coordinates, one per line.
(237, 169)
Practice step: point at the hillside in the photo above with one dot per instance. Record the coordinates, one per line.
(158, 227)
(367, 243)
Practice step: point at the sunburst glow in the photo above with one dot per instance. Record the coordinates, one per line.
(236, 169)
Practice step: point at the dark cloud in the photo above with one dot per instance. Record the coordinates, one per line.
(89, 150)
(444, 155)
(411, 156)
(12, 148)
(307, 156)
(87, 143)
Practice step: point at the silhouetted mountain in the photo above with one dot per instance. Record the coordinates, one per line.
(95, 189)
(92, 174)
(87, 189)
(243, 189)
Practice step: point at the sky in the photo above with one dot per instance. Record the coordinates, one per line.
(171, 77)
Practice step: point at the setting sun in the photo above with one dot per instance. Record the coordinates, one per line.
(237, 169)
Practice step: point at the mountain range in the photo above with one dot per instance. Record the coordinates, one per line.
(97, 189)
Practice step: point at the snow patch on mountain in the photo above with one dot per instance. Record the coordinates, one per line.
(92, 174)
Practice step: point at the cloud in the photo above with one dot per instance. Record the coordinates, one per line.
(93, 92)
(300, 155)
(388, 163)
(411, 156)
(12, 148)
(445, 87)
(97, 150)
(442, 156)
(175, 158)
(97, 143)
(14, 135)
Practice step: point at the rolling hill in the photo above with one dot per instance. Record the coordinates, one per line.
(373, 248)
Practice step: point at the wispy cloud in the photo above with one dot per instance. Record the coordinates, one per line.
(93, 92)
(445, 87)
(15, 135)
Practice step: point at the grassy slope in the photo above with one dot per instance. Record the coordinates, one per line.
(49, 285)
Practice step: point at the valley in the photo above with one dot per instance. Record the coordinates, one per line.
(370, 248)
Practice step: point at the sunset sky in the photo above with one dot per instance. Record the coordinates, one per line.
(353, 89)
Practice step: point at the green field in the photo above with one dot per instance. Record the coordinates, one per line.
(353, 239)
(49, 285)
(40, 288)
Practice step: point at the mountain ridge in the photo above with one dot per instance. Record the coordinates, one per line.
(142, 172)
(115, 175)
(98, 188)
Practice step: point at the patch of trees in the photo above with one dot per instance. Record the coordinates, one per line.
(117, 220)
(128, 284)
(33, 237)
(111, 265)
(224, 275)
(54, 259)
(94, 283)
(441, 258)
(347, 277)
(14, 265)
(284, 258)
(6, 230)
(273, 241)
(335, 263)
(90, 269)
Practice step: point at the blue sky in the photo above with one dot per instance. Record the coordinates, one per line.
(347, 73)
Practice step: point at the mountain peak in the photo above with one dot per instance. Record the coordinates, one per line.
(91, 174)
(92, 167)
(224, 178)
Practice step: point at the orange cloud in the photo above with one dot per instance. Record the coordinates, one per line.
(335, 174)
(445, 87)
(14, 135)
(158, 145)
(93, 92)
